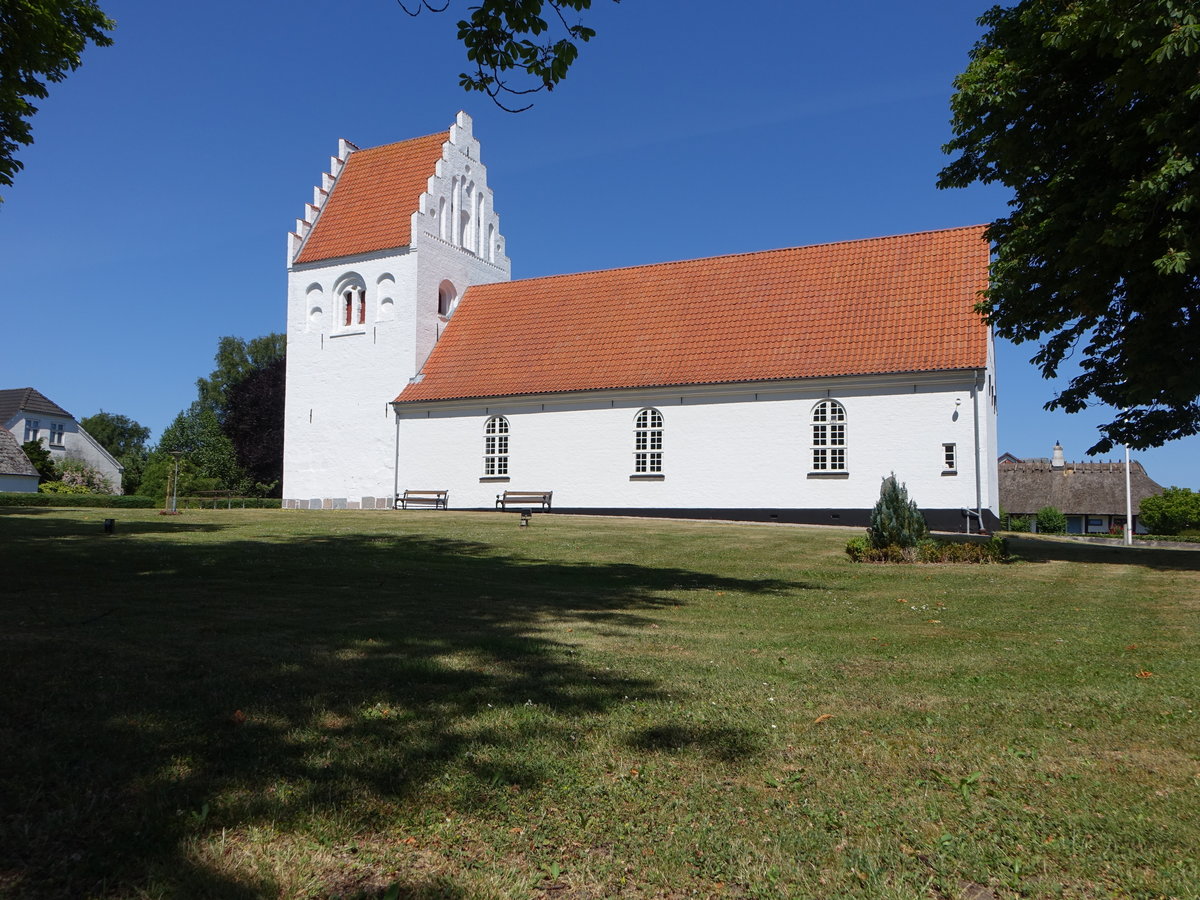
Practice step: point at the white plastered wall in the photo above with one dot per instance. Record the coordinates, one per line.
(339, 432)
(724, 447)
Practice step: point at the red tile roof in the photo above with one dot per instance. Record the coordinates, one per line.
(372, 202)
(893, 304)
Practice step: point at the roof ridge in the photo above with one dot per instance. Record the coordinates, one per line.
(423, 137)
(747, 253)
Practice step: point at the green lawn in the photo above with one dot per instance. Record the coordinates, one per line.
(418, 705)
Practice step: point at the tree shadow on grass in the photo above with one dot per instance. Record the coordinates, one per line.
(1039, 550)
(729, 745)
(341, 673)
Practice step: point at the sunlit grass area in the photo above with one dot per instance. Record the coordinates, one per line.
(439, 704)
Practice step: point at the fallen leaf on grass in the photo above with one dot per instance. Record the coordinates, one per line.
(824, 717)
(1143, 674)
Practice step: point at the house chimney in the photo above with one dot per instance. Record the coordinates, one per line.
(1056, 461)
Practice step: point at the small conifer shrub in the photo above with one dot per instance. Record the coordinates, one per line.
(895, 520)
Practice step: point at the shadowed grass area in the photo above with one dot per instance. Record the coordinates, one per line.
(281, 704)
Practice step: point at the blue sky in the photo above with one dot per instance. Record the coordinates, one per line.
(151, 216)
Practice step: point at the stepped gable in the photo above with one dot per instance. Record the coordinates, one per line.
(31, 400)
(883, 305)
(367, 201)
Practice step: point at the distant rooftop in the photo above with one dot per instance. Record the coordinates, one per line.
(28, 399)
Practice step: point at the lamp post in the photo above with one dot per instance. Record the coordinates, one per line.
(1128, 503)
(175, 482)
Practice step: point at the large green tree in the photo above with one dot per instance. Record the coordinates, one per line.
(253, 422)
(534, 40)
(126, 440)
(232, 434)
(1089, 110)
(40, 41)
(235, 359)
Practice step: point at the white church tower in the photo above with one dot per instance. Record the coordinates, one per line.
(392, 238)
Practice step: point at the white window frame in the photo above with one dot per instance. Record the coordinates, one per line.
(31, 430)
(950, 459)
(828, 433)
(496, 432)
(648, 442)
(57, 434)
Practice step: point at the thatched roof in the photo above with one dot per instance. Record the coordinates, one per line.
(1087, 488)
(13, 460)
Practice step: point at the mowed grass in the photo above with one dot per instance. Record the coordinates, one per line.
(418, 705)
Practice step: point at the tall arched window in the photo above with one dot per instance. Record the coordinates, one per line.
(647, 442)
(495, 446)
(829, 437)
(447, 298)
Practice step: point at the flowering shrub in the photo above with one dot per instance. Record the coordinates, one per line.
(76, 473)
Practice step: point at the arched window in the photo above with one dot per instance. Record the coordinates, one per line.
(829, 437)
(447, 298)
(647, 442)
(495, 446)
(354, 306)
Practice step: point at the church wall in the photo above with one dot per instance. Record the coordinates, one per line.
(720, 450)
(339, 434)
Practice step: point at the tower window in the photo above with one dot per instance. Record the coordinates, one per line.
(447, 298)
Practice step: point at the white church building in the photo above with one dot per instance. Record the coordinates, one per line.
(782, 385)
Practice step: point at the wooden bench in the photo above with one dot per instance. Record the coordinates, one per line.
(436, 499)
(524, 498)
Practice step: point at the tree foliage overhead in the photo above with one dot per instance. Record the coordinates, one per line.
(538, 39)
(40, 41)
(1089, 110)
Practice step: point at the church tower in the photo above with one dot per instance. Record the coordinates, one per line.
(376, 268)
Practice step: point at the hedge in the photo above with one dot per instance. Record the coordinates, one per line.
(108, 501)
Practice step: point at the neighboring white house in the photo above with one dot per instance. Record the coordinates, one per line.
(16, 471)
(782, 385)
(31, 416)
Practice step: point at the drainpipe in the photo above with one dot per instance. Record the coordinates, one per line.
(396, 461)
(979, 375)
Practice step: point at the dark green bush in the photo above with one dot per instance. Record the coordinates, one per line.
(1174, 510)
(1017, 523)
(895, 520)
(77, 501)
(1051, 521)
(993, 550)
(927, 551)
